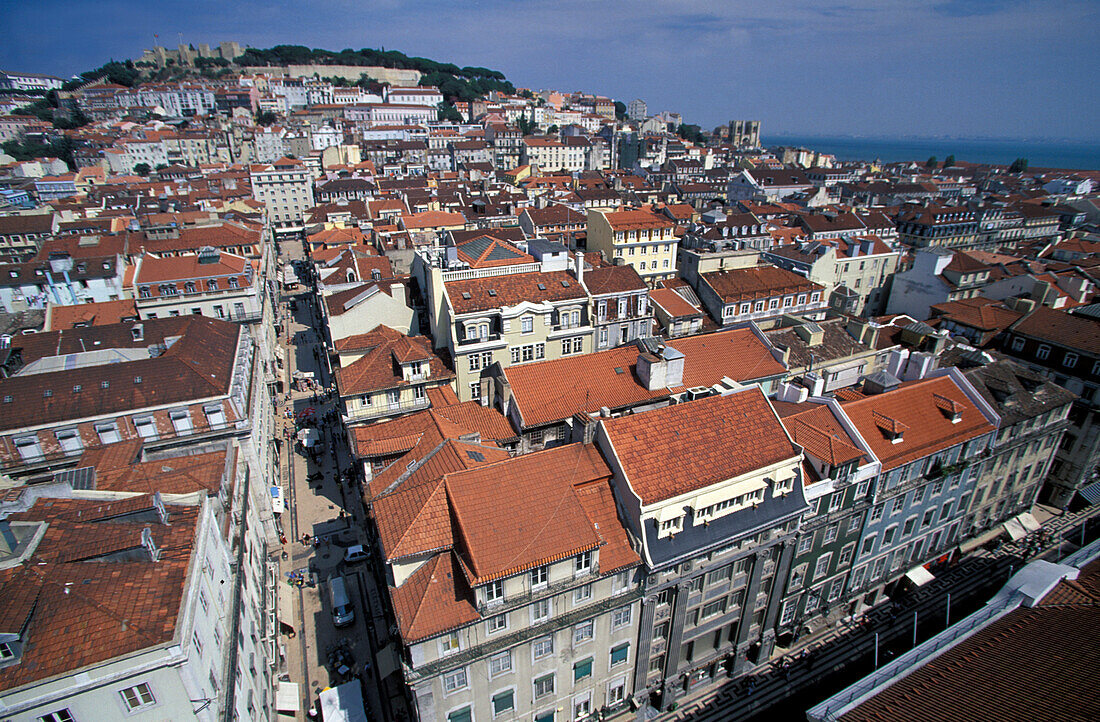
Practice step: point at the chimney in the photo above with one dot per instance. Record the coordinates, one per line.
(652, 371)
(579, 267)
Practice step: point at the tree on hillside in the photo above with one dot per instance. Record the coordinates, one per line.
(930, 163)
(266, 118)
(949, 161)
(142, 169)
(620, 110)
(449, 113)
(1018, 166)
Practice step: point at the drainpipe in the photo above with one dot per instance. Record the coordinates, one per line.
(53, 288)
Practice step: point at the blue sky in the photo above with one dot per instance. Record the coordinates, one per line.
(1000, 68)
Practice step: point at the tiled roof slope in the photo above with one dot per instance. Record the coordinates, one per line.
(380, 368)
(684, 448)
(913, 409)
(613, 279)
(1064, 329)
(553, 390)
(512, 290)
(198, 365)
(744, 284)
(821, 435)
(1032, 665)
(88, 613)
(435, 599)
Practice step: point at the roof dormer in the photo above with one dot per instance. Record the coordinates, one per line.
(891, 428)
(951, 409)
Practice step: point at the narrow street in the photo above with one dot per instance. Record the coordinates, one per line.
(323, 518)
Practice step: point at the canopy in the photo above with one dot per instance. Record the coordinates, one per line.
(919, 576)
(343, 703)
(1029, 522)
(309, 436)
(1015, 529)
(278, 505)
(287, 697)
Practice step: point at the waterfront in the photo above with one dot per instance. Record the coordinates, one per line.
(1040, 154)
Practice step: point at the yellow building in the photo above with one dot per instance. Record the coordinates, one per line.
(638, 238)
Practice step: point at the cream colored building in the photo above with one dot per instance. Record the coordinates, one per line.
(642, 239)
(286, 188)
(855, 270)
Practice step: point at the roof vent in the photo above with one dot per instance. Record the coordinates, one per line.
(466, 295)
(565, 284)
(137, 379)
(47, 393)
(542, 286)
(951, 409)
(137, 332)
(492, 292)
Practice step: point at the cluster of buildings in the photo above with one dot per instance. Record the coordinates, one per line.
(630, 414)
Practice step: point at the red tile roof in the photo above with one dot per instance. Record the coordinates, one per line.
(675, 305)
(711, 440)
(1064, 329)
(554, 390)
(629, 220)
(380, 367)
(914, 410)
(613, 279)
(817, 431)
(498, 291)
(434, 600)
(742, 284)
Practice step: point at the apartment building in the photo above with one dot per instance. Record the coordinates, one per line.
(549, 154)
(715, 533)
(618, 304)
(1033, 415)
(507, 313)
(210, 283)
(1065, 348)
(526, 604)
(384, 373)
(855, 270)
(61, 279)
(938, 275)
(761, 294)
(21, 235)
(930, 437)
(285, 187)
(942, 225)
(638, 238)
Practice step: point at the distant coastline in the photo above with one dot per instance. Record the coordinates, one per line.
(1080, 155)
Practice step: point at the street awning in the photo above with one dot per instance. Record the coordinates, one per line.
(919, 576)
(971, 544)
(1090, 493)
(1015, 529)
(343, 703)
(277, 504)
(1029, 522)
(288, 698)
(309, 436)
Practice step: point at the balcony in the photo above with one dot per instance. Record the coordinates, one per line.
(383, 409)
(477, 340)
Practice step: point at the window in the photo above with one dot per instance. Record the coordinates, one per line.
(798, 575)
(836, 500)
(544, 686)
(929, 517)
(822, 565)
(620, 617)
(831, 532)
(854, 522)
(584, 631)
(1017, 344)
(582, 669)
(888, 535)
(616, 691)
(582, 563)
(876, 512)
(454, 680)
(543, 647)
(108, 433)
(449, 643)
(69, 440)
(196, 642)
(846, 554)
(620, 653)
(582, 705)
(714, 608)
(527, 324)
(62, 715)
(1043, 352)
(497, 623)
(503, 702)
(868, 545)
(138, 697)
(805, 543)
(460, 715)
(500, 664)
(909, 524)
(581, 594)
(539, 575)
(540, 610)
(494, 591)
(181, 421)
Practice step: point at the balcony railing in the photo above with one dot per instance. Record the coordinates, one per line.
(385, 408)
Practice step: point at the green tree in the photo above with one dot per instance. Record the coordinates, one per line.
(266, 118)
(553, 129)
(449, 113)
(930, 163)
(949, 161)
(691, 133)
(142, 169)
(1018, 166)
(620, 110)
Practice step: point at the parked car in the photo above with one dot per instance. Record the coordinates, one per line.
(355, 553)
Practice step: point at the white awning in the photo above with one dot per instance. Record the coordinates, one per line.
(343, 703)
(287, 697)
(1029, 522)
(919, 576)
(747, 486)
(309, 436)
(1015, 529)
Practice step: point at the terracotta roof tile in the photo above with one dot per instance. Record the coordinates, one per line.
(759, 282)
(435, 599)
(711, 440)
(498, 291)
(914, 411)
(380, 367)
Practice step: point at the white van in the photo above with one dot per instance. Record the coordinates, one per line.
(343, 613)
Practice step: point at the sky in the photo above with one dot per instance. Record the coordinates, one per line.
(962, 68)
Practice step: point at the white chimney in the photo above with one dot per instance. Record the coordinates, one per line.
(579, 269)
